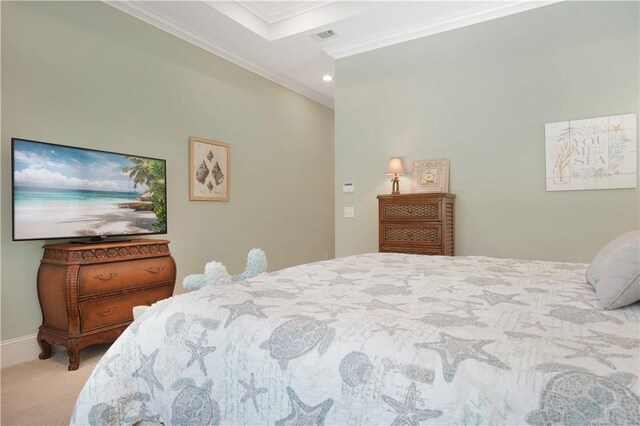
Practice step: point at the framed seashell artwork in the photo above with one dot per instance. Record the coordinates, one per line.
(209, 170)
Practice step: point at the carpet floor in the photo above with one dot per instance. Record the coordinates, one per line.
(44, 392)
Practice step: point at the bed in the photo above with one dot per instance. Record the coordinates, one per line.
(377, 339)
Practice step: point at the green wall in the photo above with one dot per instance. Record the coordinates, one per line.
(85, 74)
(481, 96)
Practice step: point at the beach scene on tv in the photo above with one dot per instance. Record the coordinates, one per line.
(64, 192)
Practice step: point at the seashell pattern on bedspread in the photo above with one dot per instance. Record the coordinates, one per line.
(377, 339)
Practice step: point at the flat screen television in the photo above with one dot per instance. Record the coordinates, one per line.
(68, 192)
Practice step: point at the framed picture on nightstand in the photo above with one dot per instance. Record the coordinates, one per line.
(431, 175)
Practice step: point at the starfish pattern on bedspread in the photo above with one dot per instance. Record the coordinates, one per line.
(494, 298)
(623, 342)
(246, 308)
(303, 414)
(199, 351)
(590, 351)
(407, 412)
(251, 391)
(376, 304)
(145, 371)
(537, 324)
(390, 329)
(105, 364)
(454, 350)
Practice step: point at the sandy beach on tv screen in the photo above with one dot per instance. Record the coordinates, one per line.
(58, 221)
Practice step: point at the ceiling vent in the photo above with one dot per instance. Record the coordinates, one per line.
(324, 35)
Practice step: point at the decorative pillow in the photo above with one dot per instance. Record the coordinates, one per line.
(615, 271)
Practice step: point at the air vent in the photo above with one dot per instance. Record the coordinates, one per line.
(324, 35)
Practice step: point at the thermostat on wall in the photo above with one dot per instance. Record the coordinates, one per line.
(348, 187)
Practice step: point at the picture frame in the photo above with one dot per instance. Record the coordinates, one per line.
(209, 170)
(430, 175)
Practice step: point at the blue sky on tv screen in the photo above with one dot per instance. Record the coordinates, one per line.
(53, 166)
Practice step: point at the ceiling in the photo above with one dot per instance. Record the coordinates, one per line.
(277, 39)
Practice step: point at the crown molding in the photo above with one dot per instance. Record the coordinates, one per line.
(140, 11)
(487, 12)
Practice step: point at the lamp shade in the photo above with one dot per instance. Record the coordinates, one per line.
(395, 167)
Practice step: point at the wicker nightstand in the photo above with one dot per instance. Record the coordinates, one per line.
(416, 223)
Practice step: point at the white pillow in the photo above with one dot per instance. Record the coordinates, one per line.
(615, 271)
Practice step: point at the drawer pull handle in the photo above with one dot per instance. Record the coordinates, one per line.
(103, 278)
(155, 270)
(109, 312)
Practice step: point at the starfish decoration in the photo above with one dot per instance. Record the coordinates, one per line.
(303, 414)
(454, 350)
(623, 342)
(198, 352)
(494, 298)
(246, 308)
(376, 304)
(391, 329)
(251, 391)
(590, 351)
(408, 414)
(616, 128)
(467, 307)
(105, 364)
(537, 324)
(145, 371)
(332, 310)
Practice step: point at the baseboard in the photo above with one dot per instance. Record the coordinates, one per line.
(19, 350)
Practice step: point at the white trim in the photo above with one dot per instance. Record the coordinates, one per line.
(494, 10)
(142, 12)
(19, 350)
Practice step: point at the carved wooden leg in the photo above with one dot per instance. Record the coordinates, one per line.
(45, 347)
(74, 358)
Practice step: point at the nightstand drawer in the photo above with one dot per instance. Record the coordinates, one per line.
(411, 234)
(113, 310)
(429, 210)
(112, 277)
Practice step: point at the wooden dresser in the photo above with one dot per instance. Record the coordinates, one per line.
(416, 223)
(87, 291)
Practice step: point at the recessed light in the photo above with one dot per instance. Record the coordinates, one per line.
(327, 77)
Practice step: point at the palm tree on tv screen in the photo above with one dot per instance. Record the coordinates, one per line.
(151, 173)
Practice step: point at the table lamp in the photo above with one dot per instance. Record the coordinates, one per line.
(395, 168)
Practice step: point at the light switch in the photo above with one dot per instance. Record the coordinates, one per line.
(349, 212)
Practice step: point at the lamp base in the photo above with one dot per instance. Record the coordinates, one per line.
(395, 185)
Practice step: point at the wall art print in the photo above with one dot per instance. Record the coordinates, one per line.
(595, 153)
(430, 175)
(209, 170)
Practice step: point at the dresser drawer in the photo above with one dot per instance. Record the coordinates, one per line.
(430, 250)
(112, 277)
(426, 210)
(113, 310)
(411, 234)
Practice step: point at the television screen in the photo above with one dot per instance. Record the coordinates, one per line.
(67, 192)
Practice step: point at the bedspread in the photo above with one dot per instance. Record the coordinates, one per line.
(377, 339)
